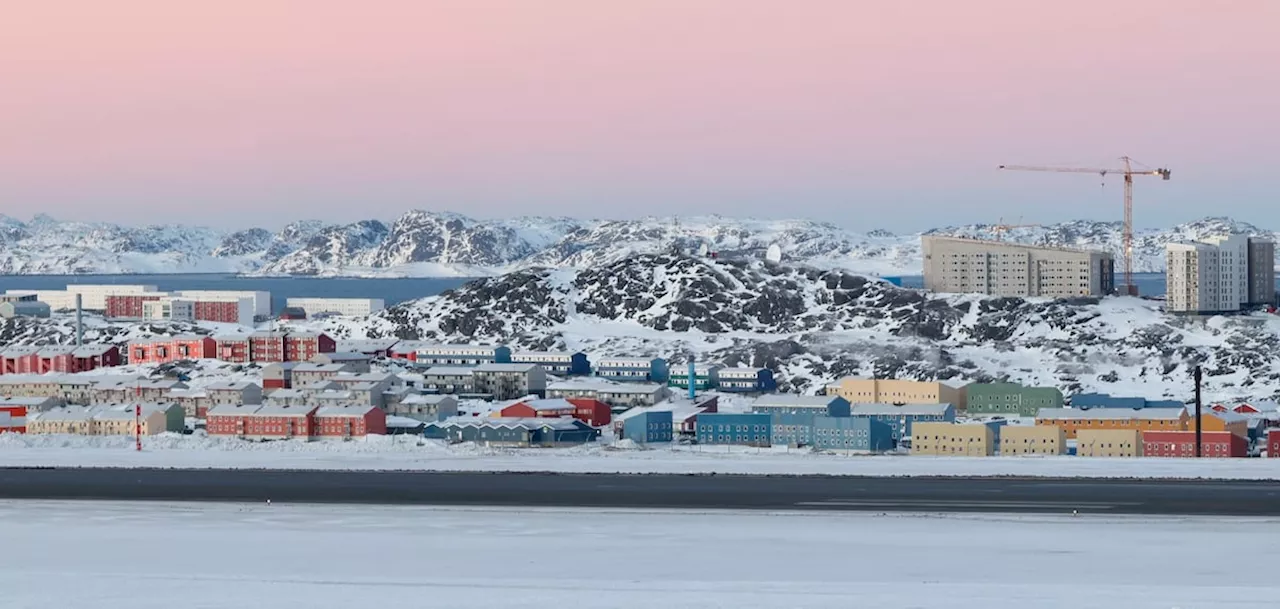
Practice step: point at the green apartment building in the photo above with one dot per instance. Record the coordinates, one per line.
(1011, 399)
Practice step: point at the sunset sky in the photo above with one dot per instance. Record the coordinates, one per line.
(864, 113)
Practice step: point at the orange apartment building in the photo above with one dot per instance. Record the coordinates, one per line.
(1072, 420)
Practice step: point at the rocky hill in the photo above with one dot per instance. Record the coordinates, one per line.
(422, 243)
(813, 326)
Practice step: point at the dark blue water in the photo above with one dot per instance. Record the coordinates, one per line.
(391, 290)
(1149, 284)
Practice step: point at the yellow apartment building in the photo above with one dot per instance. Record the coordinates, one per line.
(76, 420)
(1074, 420)
(952, 439)
(1032, 440)
(892, 391)
(1231, 422)
(1109, 443)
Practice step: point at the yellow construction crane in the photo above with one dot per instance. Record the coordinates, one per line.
(1128, 172)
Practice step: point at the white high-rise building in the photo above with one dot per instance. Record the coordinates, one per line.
(1209, 277)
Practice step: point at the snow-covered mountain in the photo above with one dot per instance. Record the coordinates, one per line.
(421, 243)
(813, 326)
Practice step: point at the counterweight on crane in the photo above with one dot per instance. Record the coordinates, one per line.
(1128, 172)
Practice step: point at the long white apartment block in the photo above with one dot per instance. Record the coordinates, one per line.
(959, 265)
(93, 296)
(350, 307)
(1219, 275)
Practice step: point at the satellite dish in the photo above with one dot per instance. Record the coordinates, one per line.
(704, 249)
(774, 254)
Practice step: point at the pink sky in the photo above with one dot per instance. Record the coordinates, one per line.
(863, 113)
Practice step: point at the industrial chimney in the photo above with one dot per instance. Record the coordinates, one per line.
(79, 322)
(693, 392)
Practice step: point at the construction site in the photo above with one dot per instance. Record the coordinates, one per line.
(996, 267)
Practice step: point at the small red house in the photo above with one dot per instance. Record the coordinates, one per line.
(92, 357)
(20, 360)
(1217, 444)
(350, 421)
(57, 359)
(592, 412)
(1273, 443)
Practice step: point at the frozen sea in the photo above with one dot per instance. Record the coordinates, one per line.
(156, 555)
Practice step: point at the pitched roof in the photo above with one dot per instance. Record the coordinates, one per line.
(230, 386)
(345, 410)
(548, 405)
(510, 422)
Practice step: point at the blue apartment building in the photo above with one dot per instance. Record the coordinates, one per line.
(647, 425)
(750, 429)
(633, 369)
(560, 363)
(746, 380)
(900, 417)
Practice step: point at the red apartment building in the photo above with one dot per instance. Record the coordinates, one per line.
(1219, 444)
(163, 349)
(39, 360)
(261, 422)
(287, 422)
(350, 421)
(288, 346)
(231, 311)
(129, 306)
(233, 348)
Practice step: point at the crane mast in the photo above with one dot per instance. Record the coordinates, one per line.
(1127, 232)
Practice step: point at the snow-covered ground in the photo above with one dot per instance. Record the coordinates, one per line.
(145, 556)
(411, 453)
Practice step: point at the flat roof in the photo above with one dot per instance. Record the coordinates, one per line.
(792, 400)
(1122, 414)
(448, 371)
(492, 367)
(606, 387)
(345, 410)
(873, 409)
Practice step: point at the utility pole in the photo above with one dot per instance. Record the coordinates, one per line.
(1197, 376)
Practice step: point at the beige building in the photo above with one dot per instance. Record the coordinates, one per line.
(891, 391)
(113, 420)
(1109, 443)
(952, 439)
(959, 265)
(76, 420)
(1032, 440)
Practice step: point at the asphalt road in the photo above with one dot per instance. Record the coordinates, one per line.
(1031, 495)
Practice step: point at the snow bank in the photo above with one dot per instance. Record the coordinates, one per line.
(414, 453)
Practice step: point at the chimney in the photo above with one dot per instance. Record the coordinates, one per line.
(79, 322)
(693, 393)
